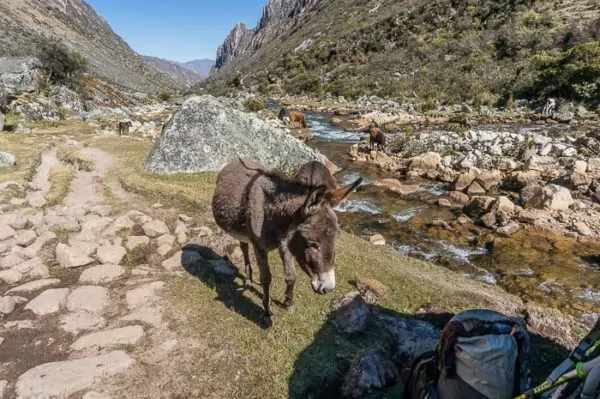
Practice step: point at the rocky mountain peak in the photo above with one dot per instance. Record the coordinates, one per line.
(234, 45)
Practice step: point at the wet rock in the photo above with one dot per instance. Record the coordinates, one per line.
(508, 230)
(489, 220)
(478, 206)
(583, 229)
(49, 301)
(34, 285)
(89, 298)
(77, 322)
(377, 239)
(475, 189)
(351, 314)
(62, 379)
(25, 238)
(371, 372)
(130, 335)
(7, 304)
(71, 257)
(101, 274)
(155, 228)
(396, 186)
(112, 254)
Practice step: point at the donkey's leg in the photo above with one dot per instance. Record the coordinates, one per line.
(290, 275)
(265, 277)
(247, 265)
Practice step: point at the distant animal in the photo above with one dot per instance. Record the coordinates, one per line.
(282, 113)
(316, 174)
(376, 136)
(298, 117)
(271, 211)
(123, 126)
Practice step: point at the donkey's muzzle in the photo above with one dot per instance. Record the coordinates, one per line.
(324, 282)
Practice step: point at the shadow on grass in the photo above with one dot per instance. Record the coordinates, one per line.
(201, 261)
(321, 370)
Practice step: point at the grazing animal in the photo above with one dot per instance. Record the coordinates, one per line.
(316, 174)
(376, 136)
(282, 113)
(123, 126)
(271, 211)
(298, 117)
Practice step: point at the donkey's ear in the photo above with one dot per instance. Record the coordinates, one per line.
(338, 195)
(314, 201)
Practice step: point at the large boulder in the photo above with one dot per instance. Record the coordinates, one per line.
(205, 134)
(66, 99)
(19, 74)
(551, 196)
(7, 159)
(40, 110)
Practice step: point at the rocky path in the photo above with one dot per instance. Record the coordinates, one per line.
(80, 287)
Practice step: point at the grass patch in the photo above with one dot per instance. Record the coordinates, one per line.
(72, 157)
(27, 153)
(61, 177)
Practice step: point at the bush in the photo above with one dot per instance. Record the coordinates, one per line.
(164, 96)
(254, 104)
(61, 65)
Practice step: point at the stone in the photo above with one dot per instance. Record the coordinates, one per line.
(109, 338)
(25, 238)
(489, 220)
(372, 372)
(3, 383)
(430, 161)
(95, 395)
(204, 231)
(532, 196)
(136, 241)
(593, 165)
(503, 204)
(56, 223)
(518, 180)
(77, 322)
(71, 257)
(205, 134)
(89, 298)
(165, 239)
(377, 239)
(478, 206)
(475, 189)
(7, 159)
(174, 262)
(155, 228)
(7, 304)
(489, 179)
(508, 230)
(351, 314)
(66, 99)
(182, 238)
(34, 268)
(180, 227)
(7, 232)
(10, 276)
(583, 229)
(464, 180)
(458, 198)
(557, 197)
(34, 249)
(64, 378)
(185, 218)
(144, 294)
(34, 285)
(580, 166)
(11, 260)
(164, 250)
(113, 254)
(396, 186)
(19, 324)
(444, 203)
(49, 301)
(138, 217)
(36, 199)
(101, 274)
(580, 180)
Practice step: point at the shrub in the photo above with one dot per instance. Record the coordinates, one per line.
(254, 104)
(164, 96)
(61, 65)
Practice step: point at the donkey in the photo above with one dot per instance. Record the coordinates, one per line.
(271, 211)
(376, 136)
(316, 174)
(123, 126)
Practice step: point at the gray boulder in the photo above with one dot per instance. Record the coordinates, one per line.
(66, 99)
(19, 74)
(205, 134)
(40, 110)
(2, 119)
(7, 159)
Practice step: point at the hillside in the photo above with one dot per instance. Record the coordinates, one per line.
(201, 67)
(177, 71)
(445, 50)
(24, 22)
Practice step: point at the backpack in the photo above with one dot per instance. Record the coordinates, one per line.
(482, 354)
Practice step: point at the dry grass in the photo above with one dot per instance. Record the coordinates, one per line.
(27, 153)
(61, 177)
(70, 156)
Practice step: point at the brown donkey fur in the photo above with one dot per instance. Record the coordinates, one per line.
(270, 211)
(123, 126)
(316, 174)
(296, 116)
(376, 136)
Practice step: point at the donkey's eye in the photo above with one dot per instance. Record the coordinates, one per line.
(313, 244)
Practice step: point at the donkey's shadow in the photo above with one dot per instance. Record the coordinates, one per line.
(218, 273)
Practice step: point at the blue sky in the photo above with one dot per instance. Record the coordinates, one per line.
(178, 30)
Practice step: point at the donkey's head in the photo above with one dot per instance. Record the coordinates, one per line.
(313, 242)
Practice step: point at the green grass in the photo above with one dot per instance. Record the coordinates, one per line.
(60, 178)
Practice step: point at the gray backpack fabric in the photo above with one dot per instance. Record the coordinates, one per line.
(482, 354)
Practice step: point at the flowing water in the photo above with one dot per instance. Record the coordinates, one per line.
(551, 270)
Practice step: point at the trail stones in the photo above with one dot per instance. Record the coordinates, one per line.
(49, 301)
(61, 379)
(11, 260)
(101, 274)
(7, 304)
(110, 338)
(25, 238)
(7, 232)
(33, 250)
(36, 199)
(34, 285)
(155, 228)
(71, 257)
(10, 276)
(89, 298)
(143, 294)
(110, 254)
(81, 321)
(136, 241)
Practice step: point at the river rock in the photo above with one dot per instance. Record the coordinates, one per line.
(458, 198)
(205, 135)
(489, 220)
(377, 239)
(503, 204)
(508, 230)
(556, 197)
(427, 162)
(396, 186)
(583, 229)
(489, 179)
(478, 206)
(64, 378)
(371, 372)
(464, 180)
(475, 189)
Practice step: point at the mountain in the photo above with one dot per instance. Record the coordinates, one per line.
(25, 22)
(177, 71)
(201, 67)
(484, 51)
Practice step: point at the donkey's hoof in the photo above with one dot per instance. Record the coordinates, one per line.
(289, 304)
(267, 321)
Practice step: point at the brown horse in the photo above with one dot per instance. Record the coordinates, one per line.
(296, 116)
(271, 211)
(316, 174)
(123, 126)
